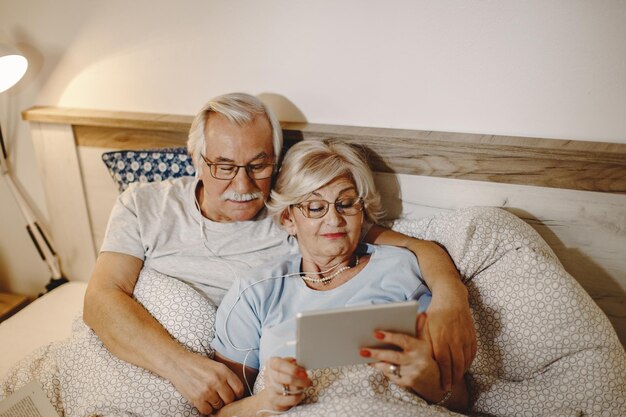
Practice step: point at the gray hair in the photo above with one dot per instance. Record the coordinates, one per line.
(239, 108)
(310, 165)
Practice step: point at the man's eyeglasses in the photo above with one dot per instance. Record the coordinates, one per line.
(229, 171)
(316, 209)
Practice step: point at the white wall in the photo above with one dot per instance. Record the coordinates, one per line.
(530, 68)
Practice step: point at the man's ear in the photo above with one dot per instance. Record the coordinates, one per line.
(286, 219)
(196, 165)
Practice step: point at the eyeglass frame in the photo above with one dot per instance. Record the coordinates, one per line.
(359, 201)
(247, 167)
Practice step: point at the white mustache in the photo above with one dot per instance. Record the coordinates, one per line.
(235, 196)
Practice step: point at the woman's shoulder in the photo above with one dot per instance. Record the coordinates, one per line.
(273, 270)
(262, 285)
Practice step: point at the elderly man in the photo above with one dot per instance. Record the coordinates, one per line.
(207, 231)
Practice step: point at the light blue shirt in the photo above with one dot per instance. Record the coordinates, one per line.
(256, 319)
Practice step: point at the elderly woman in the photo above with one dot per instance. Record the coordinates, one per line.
(323, 195)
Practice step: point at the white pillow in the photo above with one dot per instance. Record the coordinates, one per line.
(544, 346)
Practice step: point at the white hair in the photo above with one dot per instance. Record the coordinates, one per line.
(310, 165)
(239, 108)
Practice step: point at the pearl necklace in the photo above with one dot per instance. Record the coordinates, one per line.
(326, 280)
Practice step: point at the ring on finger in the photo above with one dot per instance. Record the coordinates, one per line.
(218, 404)
(285, 389)
(395, 370)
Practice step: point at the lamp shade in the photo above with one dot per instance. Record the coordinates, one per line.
(12, 67)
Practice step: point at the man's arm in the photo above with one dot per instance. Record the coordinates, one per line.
(416, 367)
(132, 334)
(450, 322)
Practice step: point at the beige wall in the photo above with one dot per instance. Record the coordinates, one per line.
(529, 68)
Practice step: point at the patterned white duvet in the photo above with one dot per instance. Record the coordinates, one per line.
(544, 347)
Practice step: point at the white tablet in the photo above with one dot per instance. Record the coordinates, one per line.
(328, 338)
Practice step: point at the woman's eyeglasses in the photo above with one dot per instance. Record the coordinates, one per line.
(316, 209)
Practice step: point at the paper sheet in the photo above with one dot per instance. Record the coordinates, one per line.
(28, 401)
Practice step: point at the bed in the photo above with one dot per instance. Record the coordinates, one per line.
(550, 205)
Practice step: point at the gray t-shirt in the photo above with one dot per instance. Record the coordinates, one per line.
(161, 224)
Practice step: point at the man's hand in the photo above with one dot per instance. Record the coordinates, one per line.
(132, 334)
(453, 337)
(207, 384)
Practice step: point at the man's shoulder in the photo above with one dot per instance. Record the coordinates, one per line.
(158, 189)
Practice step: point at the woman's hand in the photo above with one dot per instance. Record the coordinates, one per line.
(413, 366)
(285, 382)
(451, 325)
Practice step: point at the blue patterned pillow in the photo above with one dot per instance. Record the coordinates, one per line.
(147, 165)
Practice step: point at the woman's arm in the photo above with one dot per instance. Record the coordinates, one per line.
(451, 326)
(284, 385)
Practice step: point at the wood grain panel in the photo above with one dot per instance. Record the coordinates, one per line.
(121, 119)
(554, 163)
(591, 166)
(124, 138)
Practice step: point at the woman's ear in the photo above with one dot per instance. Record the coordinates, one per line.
(287, 220)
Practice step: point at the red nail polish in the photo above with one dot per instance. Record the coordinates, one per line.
(379, 335)
(365, 353)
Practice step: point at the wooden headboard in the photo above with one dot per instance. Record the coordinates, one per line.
(572, 192)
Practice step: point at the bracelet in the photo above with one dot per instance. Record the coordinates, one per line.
(444, 399)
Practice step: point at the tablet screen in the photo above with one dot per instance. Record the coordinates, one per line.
(329, 338)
